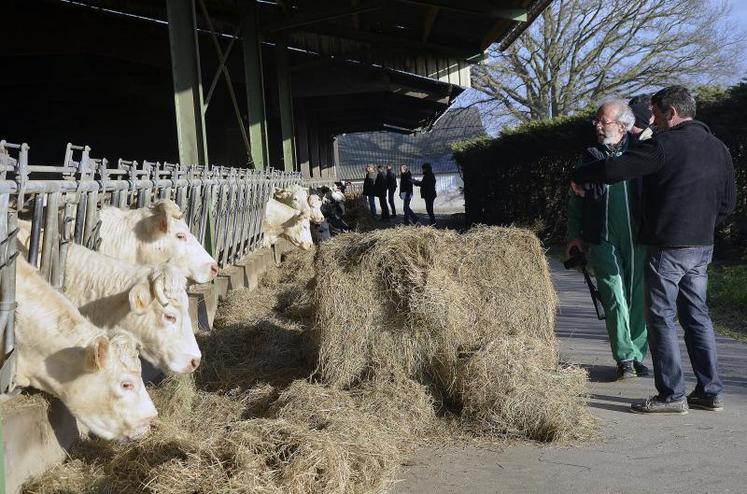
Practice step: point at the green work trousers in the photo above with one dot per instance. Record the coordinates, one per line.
(618, 268)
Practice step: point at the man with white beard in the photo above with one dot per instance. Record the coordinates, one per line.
(602, 222)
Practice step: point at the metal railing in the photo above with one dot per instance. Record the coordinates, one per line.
(223, 207)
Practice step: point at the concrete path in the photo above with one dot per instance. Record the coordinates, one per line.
(702, 452)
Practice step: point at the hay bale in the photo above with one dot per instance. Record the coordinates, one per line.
(439, 308)
(399, 300)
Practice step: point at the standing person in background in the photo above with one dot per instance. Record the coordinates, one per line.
(405, 193)
(369, 189)
(644, 117)
(380, 190)
(428, 190)
(391, 188)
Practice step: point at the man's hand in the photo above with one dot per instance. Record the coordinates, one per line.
(576, 242)
(577, 189)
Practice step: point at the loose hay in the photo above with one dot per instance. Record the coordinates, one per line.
(471, 316)
(318, 440)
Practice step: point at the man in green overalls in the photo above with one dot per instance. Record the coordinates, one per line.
(602, 221)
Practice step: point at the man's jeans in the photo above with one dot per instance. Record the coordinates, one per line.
(410, 216)
(372, 205)
(676, 283)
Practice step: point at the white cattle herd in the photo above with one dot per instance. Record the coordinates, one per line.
(127, 300)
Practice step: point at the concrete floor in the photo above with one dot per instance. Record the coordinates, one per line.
(702, 452)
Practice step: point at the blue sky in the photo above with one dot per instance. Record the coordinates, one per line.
(739, 9)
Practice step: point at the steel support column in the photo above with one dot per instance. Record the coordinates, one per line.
(335, 154)
(185, 66)
(314, 147)
(255, 93)
(302, 147)
(286, 105)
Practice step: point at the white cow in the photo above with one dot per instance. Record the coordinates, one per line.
(298, 197)
(315, 207)
(284, 221)
(151, 302)
(96, 376)
(154, 235)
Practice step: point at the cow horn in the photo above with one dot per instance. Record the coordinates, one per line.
(158, 289)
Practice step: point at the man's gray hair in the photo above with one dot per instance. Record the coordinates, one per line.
(624, 114)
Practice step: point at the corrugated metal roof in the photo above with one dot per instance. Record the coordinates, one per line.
(378, 148)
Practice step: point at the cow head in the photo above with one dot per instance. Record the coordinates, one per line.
(298, 232)
(170, 239)
(294, 196)
(162, 323)
(108, 396)
(315, 208)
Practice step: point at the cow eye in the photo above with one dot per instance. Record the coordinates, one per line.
(127, 385)
(170, 318)
(181, 236)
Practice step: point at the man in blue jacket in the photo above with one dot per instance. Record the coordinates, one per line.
(688, 189)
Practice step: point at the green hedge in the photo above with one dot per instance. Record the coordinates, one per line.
(521, 177)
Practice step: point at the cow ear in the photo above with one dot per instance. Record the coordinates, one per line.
(163, 223)
(97, 354)
(140, 297)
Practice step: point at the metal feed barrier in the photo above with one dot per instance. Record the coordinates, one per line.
(223, 207)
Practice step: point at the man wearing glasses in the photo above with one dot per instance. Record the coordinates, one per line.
(602, 222)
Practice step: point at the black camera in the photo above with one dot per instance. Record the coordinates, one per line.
(577, 259)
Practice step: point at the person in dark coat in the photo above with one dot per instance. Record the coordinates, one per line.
(644, 117)
(391, 188)
(369, 189)
(380, 190)
(405, 193)
(428, 190)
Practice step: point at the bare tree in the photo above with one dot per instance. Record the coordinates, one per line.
(579, 51)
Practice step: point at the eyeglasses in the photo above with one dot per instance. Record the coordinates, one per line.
(596, 122)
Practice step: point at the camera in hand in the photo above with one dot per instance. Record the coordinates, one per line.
(577, 259)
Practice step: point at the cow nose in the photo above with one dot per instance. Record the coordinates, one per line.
(214, 269)
(194, 363)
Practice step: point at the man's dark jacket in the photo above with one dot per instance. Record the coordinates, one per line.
(368, 185)
(405, 182)
(688, 184)
(380, 185)
(427, 185)
(391, 181)
(595, 203)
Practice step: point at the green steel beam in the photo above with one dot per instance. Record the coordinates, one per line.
(185, 66)
(286, 105)
(255, 94)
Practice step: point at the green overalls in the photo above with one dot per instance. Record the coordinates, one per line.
(617, 263)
